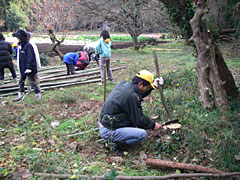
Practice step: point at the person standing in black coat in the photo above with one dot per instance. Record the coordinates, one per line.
(27, 64)
(6, 59)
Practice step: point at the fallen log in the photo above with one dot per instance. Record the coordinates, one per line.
(63, 70)
(171, 176)
(171, 164)
(71, 84)
(59, 74)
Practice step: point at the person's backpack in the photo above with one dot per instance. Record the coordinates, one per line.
(82, 61)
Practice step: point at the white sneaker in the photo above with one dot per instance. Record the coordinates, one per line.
(20, 96)
(38, 96)
(29, 89)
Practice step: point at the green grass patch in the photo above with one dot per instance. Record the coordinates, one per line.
(114, 38)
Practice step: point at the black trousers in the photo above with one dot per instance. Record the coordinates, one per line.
(70, 69)
(8, 65)
(32, 81)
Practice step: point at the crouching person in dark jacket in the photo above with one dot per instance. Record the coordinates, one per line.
(121, 119)
(27, 64)
(6, 59)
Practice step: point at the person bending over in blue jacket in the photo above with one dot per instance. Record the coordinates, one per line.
(70, 59)
(27, 64)
(121, 118)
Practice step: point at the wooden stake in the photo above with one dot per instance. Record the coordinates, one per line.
(105, 82)
(160, 88)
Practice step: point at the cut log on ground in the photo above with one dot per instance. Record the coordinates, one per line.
(175, 165)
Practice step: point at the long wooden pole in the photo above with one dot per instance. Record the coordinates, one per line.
(105, 82)
(160, 88)
(171, 176)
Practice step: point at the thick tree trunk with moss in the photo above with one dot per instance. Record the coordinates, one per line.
(212, 92)
(182, 9)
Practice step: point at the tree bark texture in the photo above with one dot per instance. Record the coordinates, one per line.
(226, 76)
(212, 92)
(55, 42)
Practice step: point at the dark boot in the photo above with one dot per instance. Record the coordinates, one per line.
(120, 148)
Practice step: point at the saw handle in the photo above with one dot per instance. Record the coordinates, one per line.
(170, 122)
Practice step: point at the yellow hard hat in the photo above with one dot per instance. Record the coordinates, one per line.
(146, 75)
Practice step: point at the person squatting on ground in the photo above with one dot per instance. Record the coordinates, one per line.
(83, 60)
(121, 118)
(79, 59)
(6, 59)
(103, 48)
(27, 64)
(90, 50)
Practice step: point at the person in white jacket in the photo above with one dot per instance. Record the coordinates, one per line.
(28, 69)
(37, 56)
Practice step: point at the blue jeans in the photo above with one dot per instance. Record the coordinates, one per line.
(129, 135)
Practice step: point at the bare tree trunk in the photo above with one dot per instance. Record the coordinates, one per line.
(135, 42)
(212, 92)
(55, 42)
